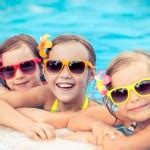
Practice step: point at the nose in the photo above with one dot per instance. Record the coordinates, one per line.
(65, 73)
(133, 97)
(19, 74)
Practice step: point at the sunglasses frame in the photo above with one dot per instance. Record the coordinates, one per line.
(17, 66)
(128, 88)
(66, 63)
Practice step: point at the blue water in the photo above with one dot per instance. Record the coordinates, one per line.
(110, 26)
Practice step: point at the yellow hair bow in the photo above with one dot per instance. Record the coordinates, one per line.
(43, 45)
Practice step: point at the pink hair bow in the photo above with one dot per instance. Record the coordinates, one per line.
(101, 81)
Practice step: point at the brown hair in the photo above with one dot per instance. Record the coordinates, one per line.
(118, 63)
(16, 42)
(67, 38)
(125, 59)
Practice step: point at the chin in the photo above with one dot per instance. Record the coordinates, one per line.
(65, 99)
(21, 89)
(140, 118)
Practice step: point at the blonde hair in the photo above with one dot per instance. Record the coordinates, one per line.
(118, 63)
(67, 38)
(127, 58)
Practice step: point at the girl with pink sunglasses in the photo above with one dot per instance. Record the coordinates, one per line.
(21, 64)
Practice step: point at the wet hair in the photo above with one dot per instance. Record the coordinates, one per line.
(67, 38)
(16, 42)
(123, 60)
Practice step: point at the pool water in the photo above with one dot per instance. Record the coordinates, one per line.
(110, 26)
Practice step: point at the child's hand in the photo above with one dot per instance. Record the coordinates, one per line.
(100, 130)
(40, 131)
(120, 143)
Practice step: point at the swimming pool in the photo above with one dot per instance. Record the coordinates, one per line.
(110, 27)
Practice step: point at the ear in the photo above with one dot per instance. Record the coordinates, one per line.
(92, 73)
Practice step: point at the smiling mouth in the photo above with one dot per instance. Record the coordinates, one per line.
(20, 84)
(65, 85)
(138, 108)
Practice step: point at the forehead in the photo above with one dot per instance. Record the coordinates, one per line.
(130, 73)
(17, 55)
(71, 50)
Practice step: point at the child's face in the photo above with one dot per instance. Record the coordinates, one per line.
(136, 108)
(21, 81)
(66, 86)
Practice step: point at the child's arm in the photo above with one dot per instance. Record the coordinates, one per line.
(81, 123)
(102, 135)
(139, 141)
(57, 119)
(100, 112)
(60, 119)
(30, 98)
(10, 117)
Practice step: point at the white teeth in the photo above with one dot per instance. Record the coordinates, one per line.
(65, 85)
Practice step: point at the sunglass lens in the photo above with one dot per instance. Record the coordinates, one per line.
(8, 72)
(28, 67)
(143, 88)
(53, 66)
(1, 73)
(119, 95)
(77, 67)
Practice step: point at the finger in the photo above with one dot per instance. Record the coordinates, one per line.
(102, 134)
(119, 132)
(53, 132)
(100, 139)
(110, 133)
(40, 132)
(35, 136)
(49, 132)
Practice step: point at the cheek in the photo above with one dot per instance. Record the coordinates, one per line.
(35, 75)
(9, 83)
(122, 110)
(148, 98)
(82, 80)
(34, 78)
(49, 77)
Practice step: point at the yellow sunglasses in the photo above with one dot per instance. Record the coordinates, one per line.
(76, 67)
(120, 95)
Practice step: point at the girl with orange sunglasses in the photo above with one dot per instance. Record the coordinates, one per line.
(68, 66)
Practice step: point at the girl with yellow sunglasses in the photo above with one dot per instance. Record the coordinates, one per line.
(128, 99)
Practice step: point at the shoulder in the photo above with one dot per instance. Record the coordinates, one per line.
(34, 97)
(42, 92)
(93, 102)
